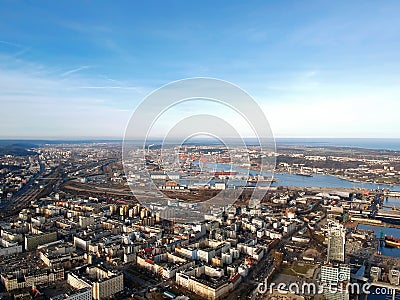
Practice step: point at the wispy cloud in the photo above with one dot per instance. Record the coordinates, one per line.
(37, 102)
(82, 27)
(67, 73)
(10, 44)
(20, 48)
(106, 87)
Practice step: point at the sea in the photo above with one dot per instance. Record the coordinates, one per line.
(364, 143)
(392, 144)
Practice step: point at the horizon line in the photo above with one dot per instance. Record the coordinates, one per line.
(178, 138)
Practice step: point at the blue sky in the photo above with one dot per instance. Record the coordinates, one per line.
(77, 69)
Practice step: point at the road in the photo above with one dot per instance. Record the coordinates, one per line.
(25, 195)
(26, 187)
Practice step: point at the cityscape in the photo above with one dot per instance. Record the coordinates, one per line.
(199, 150)
(71, 227)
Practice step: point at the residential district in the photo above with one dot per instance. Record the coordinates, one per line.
(70, 228)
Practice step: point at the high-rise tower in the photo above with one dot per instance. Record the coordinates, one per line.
(336, 242)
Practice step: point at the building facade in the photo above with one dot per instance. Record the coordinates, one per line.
(336, 242)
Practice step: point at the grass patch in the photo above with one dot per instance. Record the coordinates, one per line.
(300, 269)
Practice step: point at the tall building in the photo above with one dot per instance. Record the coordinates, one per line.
(336, 242)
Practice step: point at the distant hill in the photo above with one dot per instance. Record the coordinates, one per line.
(13, 147)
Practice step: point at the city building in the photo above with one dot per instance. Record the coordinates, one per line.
(81, 294)
(35, 240)
(335, 274)
(104, 283)
(207, 282)
(28, 278)
(336, 242)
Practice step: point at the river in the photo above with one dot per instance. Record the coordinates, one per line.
(317, 180)
(322, 180)
(391, 203)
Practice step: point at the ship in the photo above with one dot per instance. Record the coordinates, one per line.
(224, 173)
(392, 242)
(304, 174)
(260, 179)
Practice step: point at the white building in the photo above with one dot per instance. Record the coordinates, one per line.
(335, 275)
